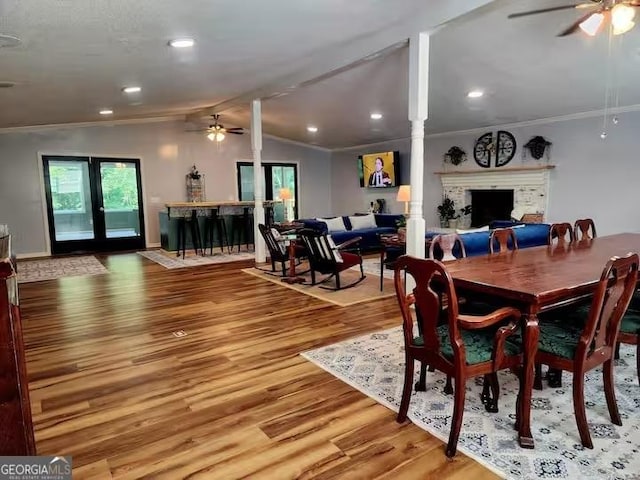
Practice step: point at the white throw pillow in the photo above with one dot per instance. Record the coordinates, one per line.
(363, 221)
(333, 224)
(461, 231)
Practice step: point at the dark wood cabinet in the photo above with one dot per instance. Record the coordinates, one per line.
(16, 427)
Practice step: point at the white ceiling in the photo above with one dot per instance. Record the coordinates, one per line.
(525, 70)
(78, 54)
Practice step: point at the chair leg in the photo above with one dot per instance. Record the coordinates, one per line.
(485, 396)
(638, 361)
(578, 408)
(458, 411)
(610, 392)
(537, 381)
(554, 378)
(448, 389)
(616, 355)
(421, 385)
(495, 394)
(406, 390)
(337, 280)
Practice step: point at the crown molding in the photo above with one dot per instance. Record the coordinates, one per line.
(97, 123)
(295, 142)
(505, 126)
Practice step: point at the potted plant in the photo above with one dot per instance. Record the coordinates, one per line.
(447, 212)
(401, 225)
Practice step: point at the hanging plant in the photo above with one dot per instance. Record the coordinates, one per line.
(455, 156)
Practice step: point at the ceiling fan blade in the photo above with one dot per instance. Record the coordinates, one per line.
(235, 129)
(576, 25)
(235, 132)
(553, 9)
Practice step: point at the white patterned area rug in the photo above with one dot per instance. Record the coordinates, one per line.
(170, 260)
(374, 364)
(52, 268)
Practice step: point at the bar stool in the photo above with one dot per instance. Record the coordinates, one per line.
(242, 227)
(215, 222)
(268, 215)
(194, 229)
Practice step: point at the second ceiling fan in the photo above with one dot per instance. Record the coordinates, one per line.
(619, 12)
(217, 131)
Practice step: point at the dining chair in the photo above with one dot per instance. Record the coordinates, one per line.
(561, 231)
(585, 338)
(503, 237)
(586, 229)
(465, 346)
(446, 244)
(630, 329)
(278, 252)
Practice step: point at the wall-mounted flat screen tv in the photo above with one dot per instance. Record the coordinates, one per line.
(379, 170)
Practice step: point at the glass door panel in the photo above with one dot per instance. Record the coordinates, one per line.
(120, 194)
(71, 202)
(279, 179)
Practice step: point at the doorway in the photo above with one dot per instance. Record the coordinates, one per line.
(279, 182)
(94, 204)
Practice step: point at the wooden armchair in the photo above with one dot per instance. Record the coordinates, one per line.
(586, 228)
(503, 237)
(465, 346)
(585, 338)
(330, 259)
(278, 252)
(630, 328)
(561, 231)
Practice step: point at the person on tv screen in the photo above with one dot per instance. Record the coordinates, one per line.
(379, 178)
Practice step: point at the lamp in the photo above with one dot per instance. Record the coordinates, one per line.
(285, 196)
(592, 24)
(622, 18)
(218, 136)
(404, 195)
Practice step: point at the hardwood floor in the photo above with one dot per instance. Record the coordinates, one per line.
(113, 387)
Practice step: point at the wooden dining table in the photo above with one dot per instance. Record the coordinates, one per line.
(537, 279)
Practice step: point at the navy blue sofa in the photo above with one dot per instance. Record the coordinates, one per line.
(386, 223)
(477, 243)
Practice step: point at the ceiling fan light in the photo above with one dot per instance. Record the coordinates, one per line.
(211, 136)
(219, 137)
(592, 24)
(619, 30)
(622, 15)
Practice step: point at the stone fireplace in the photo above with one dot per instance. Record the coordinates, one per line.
(530, 186)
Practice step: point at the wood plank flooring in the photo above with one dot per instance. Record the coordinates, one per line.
(113, 387)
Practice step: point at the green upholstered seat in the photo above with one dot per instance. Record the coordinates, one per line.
(478, 344)
(631, 322)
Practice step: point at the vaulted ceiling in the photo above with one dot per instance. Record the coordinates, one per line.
(76, 55)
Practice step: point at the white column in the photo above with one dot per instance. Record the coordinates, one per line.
(418, 113)
(256, 148)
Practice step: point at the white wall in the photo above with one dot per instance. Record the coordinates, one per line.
(167, 153)
(593, 178)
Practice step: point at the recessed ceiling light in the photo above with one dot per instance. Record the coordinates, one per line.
(106, 111)
(7, 84)
(312, 129)
(182, 43)
(376, 116)
(132, 89)
(475, 94)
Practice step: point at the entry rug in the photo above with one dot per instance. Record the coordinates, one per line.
(52, 268)
(170, 260)
(374, 364)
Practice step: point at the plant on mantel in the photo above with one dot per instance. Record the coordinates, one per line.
(446, 211)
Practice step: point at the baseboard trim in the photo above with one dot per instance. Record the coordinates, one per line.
(154, 245)
(22, 256)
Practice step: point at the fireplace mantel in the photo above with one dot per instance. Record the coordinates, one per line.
(530, 185)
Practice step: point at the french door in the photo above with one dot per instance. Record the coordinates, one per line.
(279, 182)
(93, 204)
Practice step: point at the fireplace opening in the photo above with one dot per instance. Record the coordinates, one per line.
(490, 205)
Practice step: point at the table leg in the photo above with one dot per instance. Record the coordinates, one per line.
(531, 333)
(382, 252)
(291, 275)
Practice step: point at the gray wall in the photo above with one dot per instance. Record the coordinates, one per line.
(593, 177)
(167, 153)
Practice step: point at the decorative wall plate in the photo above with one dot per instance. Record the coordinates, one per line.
(483, 150)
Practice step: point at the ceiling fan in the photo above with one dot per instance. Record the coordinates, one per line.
(217, 131)
(619, 12)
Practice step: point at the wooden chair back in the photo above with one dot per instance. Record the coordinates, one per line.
(446, 244)
(610, 302)
(432, 283)
(584, 229)
(277, 250)
(563, 232)
(502, 239)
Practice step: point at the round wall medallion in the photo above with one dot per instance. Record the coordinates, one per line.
(9, 41)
